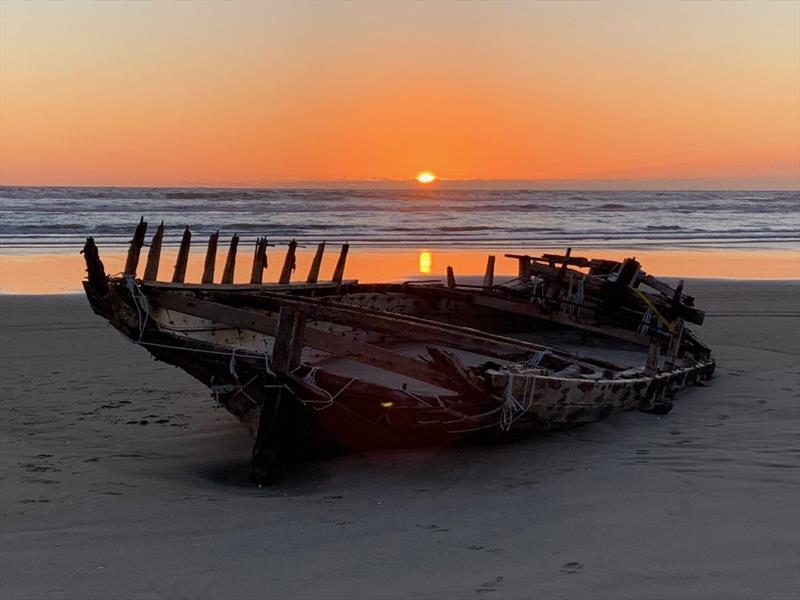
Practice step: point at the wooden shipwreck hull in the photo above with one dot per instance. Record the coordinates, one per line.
(339, 365)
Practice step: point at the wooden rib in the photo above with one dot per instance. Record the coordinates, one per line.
(135, 248)
(555, 289)
(338, 272)
(211, 258)
(289, 336)
(451, 278)
(313, 272)
(183, 257)
(488, 278)
(259, 261)
(230, 261)
(154, 255)
(289, 263)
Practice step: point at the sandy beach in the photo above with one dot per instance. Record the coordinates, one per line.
(121, 479)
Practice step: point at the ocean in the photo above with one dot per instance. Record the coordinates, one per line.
(58, 220)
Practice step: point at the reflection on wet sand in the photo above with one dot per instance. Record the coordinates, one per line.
(60, 273)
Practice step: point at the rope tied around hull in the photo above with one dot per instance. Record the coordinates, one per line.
(512, 408)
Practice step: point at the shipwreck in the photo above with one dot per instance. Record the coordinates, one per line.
(329, 366)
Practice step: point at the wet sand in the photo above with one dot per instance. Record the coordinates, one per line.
(120, 479)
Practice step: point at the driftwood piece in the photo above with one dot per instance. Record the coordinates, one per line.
(154, 255)
(313, 272)
(211, 258)
(488, 277)
(289, 263)
(338, 272)
(183, 257)
(230, 261)
(259, 261)
(135, 248)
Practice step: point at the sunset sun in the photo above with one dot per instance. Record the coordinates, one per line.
(426, 177)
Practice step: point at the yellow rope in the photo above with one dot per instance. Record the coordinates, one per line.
(652, 307)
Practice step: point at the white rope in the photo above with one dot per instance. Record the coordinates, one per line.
(644, 326)
(512, 408)
(140, 303)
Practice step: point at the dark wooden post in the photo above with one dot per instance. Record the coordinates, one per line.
(259, 261)
(289, 263)
(488, 278)
(183, 257)
(94, 268)
(230, 261)
(673, 350)
(313, 272)
(211, 258)
(289, 339)
(651, 366)
(154, 255)
(338, 272)
(524, 267)
(135, 248)
(555, 289)
(451, 278)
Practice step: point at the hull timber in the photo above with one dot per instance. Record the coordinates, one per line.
(340, 366)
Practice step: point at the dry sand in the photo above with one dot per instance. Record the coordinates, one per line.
(120, 479)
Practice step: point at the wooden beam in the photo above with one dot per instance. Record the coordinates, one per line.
(154, 254)
(230, 261)
(211, 258)
(338, 272)
(183, 257)
(488, 278)
(135, 248)
(289, 263)
(313, 272)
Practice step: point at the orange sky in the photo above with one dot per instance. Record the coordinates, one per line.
(259, 93)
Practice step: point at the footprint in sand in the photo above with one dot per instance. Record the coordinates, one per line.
(571, 568)
(489, 586)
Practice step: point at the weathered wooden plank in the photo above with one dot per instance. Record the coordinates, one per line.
(154, 255)
(314, 338)
(313, 272)
(211, 258)
(230, 261)
(488, 277)
(338, 272)
(289, 263)
(135, 248)
(411, 327)
(183, 257)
